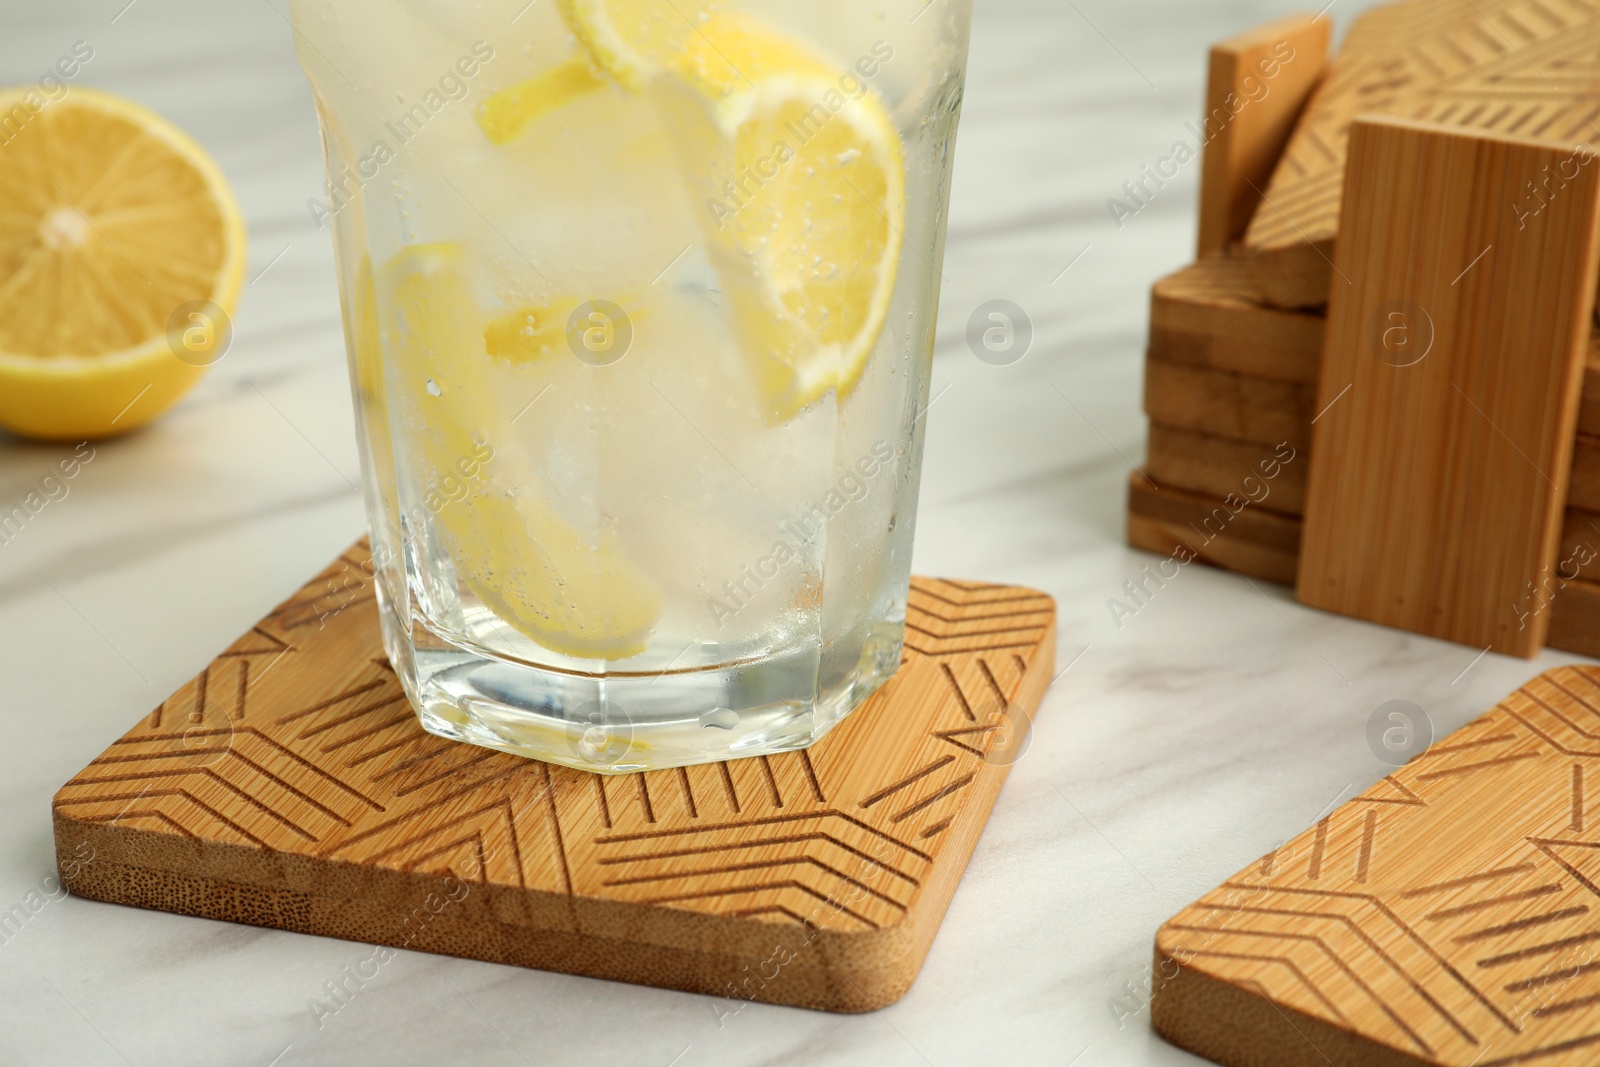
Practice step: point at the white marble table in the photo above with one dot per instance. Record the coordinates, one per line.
(1215, 723)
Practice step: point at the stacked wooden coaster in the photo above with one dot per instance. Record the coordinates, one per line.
(1521, 68)
(1230, 389)
(1404, 422)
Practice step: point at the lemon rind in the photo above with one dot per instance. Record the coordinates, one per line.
(868, 116)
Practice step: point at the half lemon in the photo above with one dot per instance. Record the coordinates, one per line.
(120, 244)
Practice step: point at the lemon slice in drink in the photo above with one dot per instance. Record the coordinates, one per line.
(654, 33)
(111, 221)
(801, 174)
(808, 212)
(528, 334)
(573, 592)
(633, 40)
(506, 113)
(536, 332)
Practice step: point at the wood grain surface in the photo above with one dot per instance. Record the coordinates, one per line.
(1224, 404)
(1261, 542)
(1525, 67)
(1211, 316)
(1583, 491)
(1439, 465)
(1213, 446)
(1449, 915)
(1213, 467)
(1253, 541)
(1256, 86)
(1217, 466)
(289, 785)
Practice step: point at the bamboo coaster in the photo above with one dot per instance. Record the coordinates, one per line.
(1211, 468)
(1583, 491)
(1212, 315)
(289, 785)
(1498, 66)
(1448, 915)
(1260, 542)
(1253, 541)
(1255, 88)
(1440, 463)
(1224, 404)
(1217, 466)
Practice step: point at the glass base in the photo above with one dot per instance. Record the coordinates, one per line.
(620, 723)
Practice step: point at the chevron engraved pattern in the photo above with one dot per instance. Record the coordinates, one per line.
(1449, 915)
(1524, 68)
(289, 785)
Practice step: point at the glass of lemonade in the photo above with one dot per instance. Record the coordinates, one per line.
(639, 298)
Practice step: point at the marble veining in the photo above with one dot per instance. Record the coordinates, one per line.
(1213, 724)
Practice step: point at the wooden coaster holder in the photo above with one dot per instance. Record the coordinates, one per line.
(1442, 413)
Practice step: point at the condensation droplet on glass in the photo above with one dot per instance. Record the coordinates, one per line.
(719, 719)
(849, 156)
(433, 388)
(593, 743)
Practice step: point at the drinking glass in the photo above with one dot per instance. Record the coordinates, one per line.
(639, 301)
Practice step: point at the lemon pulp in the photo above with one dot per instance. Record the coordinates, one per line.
(802, 179)
(111, 221)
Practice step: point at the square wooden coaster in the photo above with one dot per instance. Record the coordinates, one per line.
(1256, 86)
(1449, 915)
(1450, 385)
(289, 785)
(1212, 315)
(1476, 64)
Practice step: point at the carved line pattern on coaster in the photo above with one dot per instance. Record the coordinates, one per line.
(425, 804)
(1371, 943)
(1528, 927)
(249, 732)
(1445, 67)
